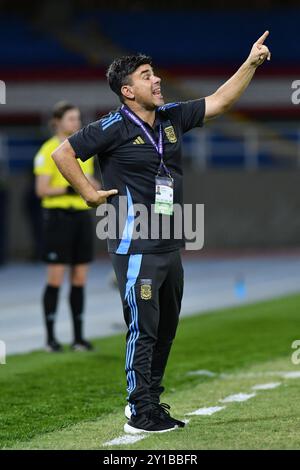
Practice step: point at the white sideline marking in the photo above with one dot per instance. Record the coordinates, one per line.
(123, 440)
(207, 373)
(268, 386)
(291, 375)
(250, 375)
(206, 411)
(238, 397)
(246, 375)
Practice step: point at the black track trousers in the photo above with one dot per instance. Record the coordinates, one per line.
(151, 287)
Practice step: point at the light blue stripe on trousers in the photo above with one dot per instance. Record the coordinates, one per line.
(134, 266)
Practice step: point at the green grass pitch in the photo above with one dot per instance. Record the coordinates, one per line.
(76, 400)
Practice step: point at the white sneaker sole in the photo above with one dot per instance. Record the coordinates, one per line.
(132, 430)
(127, 412)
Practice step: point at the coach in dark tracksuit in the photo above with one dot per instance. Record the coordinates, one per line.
(139, 150)
(149, 271)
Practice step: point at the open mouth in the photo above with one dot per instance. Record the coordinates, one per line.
(157, 92)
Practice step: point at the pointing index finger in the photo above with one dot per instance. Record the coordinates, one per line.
(262, 38)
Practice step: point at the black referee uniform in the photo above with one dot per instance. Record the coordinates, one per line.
(149, 271)
(68, 239)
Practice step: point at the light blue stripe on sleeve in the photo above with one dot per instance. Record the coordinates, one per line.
(109, 121)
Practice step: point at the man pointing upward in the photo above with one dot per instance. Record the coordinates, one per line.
(139, 151)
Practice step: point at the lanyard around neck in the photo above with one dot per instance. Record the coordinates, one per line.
(157, 145)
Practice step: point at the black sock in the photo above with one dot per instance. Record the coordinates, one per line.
(50, 298)
(77, 304)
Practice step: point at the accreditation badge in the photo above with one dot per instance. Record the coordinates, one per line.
(164, 192)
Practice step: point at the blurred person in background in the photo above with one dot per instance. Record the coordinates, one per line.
(67, 228)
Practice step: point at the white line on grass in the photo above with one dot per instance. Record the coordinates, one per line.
(238, 397)
(246, 375)
(291, 375)
(206, 411)
(267, 386)
(123, 440)
(250, 375)
(204, 372)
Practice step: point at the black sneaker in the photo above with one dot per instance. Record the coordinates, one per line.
(53, 346)
(82, 345)
(163, 411)
(148, 422)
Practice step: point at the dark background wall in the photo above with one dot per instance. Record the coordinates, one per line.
(242, 210)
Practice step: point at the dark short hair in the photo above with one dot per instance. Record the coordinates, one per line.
(60, 108)
(119, 71)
